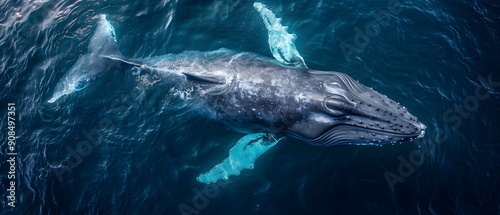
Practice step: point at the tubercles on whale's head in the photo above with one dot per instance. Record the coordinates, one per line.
(348, 112)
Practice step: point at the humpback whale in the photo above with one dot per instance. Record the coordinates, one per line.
(267, 99)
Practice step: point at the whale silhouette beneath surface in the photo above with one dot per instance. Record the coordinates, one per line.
(259, 96)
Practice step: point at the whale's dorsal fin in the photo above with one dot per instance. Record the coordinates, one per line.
(212, 79)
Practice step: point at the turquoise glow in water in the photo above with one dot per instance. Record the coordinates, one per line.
(281, 43)
(241, 156)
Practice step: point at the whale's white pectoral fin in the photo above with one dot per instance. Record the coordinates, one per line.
(241, 156)
(281, 43)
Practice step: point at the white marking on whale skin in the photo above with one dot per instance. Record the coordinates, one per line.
(249, 87)
(185, 94)
(147, 80)
(236, 56)
(302, 98)
(334, 88)
(321, 118)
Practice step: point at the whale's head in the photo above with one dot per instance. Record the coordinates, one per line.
(343, 111)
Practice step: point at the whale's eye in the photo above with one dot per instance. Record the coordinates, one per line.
(338, 105)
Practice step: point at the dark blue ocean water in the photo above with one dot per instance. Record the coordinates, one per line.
(440, 59)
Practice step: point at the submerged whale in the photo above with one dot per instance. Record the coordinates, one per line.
(258, 96)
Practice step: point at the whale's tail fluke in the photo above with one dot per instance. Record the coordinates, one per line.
(103, 41)
(90, 66)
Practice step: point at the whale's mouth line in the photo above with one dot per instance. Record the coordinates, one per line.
(343, 133)
(415, 133)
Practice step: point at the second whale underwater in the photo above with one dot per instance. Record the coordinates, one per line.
(258, 96)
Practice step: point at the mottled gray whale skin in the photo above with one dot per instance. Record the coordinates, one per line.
(250, 93)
